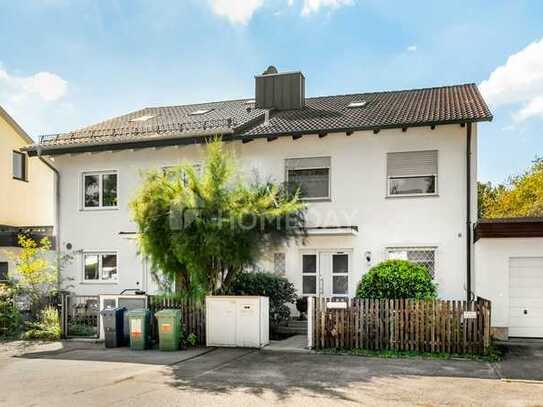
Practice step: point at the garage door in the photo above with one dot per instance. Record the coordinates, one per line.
(526, 296)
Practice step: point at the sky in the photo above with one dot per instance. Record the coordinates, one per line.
(65, 64)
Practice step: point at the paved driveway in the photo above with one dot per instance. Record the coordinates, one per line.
(238, 377)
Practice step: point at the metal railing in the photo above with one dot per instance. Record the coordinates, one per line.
(134, 131)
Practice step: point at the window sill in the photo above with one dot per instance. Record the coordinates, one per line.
(103, 209)
(412, 196)
(20, 179)
(99, 283)
(309, 200)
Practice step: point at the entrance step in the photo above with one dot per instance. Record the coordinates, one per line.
(293, 327)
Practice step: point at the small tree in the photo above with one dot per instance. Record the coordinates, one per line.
(202, 230)
(37, 271)
(397, 279)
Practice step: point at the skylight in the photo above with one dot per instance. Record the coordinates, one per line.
(143, 118)
(199, 112)
(360, 103)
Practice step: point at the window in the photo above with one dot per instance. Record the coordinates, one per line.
(171, 171)
(19, 166)
(4, 269)
(412, 173)
(311, 176)
(309, 274)
(424, 256)
(100, 267)
(200, 112)
(279, 263)
(340, 274)
(100, 190)
(361, 103)
(143, 118)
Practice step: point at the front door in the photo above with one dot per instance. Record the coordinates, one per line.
(325, 273)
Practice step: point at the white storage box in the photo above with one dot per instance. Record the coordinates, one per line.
(239, 321)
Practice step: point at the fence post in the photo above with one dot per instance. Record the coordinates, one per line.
(310, 321)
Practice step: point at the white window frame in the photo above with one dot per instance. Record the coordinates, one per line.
(100, 254)
(100, 174)
(406, 248)
(315, 274)
(324, 198)
(389, 178)
(349, 257)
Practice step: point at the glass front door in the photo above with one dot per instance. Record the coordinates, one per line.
(325, 273)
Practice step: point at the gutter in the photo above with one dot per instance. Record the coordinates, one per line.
(56, 225)
(468, 213)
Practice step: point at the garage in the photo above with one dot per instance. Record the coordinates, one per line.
(508, 271)
(526, 296)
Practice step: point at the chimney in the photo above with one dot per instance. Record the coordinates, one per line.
(279, 90)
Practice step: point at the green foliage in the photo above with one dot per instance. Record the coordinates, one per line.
(520, 196)
(10, 318)
(36, 271)
(491, 356)
(279, 290)
(81, 329)
(397, 279)
(301, 305)
(201, 230)
(192, 339)
(47, 328)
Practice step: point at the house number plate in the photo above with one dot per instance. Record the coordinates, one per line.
(336, 305)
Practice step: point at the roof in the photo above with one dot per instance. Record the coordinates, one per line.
(239, 119)
(509, 227)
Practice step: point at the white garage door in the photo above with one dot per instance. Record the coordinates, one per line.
(526, 296)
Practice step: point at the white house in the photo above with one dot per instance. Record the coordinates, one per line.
(386, 175)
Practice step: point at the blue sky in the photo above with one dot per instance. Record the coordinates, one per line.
(65, 64)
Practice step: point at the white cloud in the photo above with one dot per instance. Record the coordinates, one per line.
(534, 108)
(45, 85)
(313, 6)
(412, 48)
(236, 11)
(519, 80)
(35, 101)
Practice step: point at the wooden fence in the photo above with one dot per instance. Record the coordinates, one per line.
(402, 325)
(192, 315)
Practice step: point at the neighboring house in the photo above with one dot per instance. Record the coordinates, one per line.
(509, 264)
(386, 175)
(27, 203)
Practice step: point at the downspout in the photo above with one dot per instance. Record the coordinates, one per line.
(56, 226)
(468, 212)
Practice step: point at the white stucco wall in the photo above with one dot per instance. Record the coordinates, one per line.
(358, 184)
(492, 267)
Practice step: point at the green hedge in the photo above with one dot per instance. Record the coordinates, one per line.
(397, 279)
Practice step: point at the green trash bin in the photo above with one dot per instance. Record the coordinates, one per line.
(169, 329)
(139, 322)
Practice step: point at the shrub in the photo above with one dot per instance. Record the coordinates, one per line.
(397, 279)
(279, 290)
(10, 317)
(47, 328)
(301, 306)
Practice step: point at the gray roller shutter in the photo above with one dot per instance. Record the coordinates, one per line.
(306, 163)
(411, 163)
